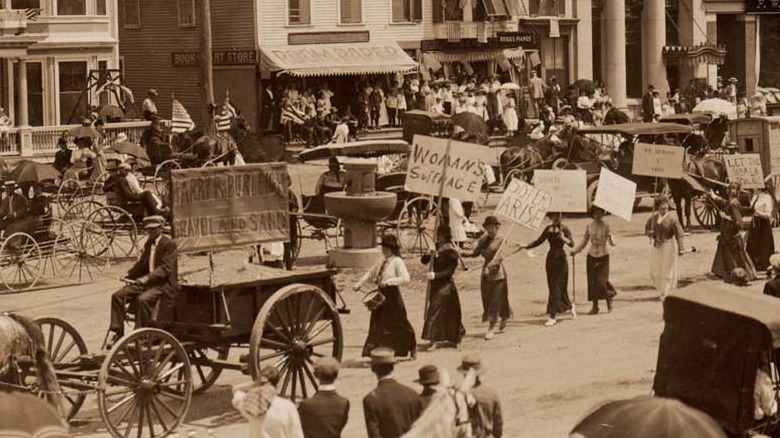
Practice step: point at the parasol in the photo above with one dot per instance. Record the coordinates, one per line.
(130, 148)
(356, 149)
(84, 131)
(111, 112)
(510, 86)
(471, 123)
(30, 171)
(648, 417)
(716, 106)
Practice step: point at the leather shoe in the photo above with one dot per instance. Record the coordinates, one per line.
(593, 311)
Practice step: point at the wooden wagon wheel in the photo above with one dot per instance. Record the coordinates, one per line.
(80, 251)
(99, 184)
(120, 229)
(21, 262)
(706, 212)
(81, 209)
(65, 346)
(145, 385)
(204, 372)
(415, 225)
(296, 324)
(161, 175)
(69, 192)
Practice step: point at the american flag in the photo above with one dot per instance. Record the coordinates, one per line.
(180, 119)
(32, 14)
(224, 118)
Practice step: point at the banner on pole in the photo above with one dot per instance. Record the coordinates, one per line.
(657, 160)
(464, 175)
(222, 207)
(567, 188)
(524, 204)
(615, 194)
(745, 169)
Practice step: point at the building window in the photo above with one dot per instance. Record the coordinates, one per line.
(351, 11)
(186, 11)
(34, 92)
(73, 82)
(555, 59)
(447, 10)
(131, 13)
(299, 12)
(100, 7)
(407, 11)
(71, 7)
(769, 70)
(25, 4)
(547, 8)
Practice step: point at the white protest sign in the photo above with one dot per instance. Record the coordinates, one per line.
(658, 160)
(615, 194)
(567, 188)
(524, 204)
(464, 175)
(745, 169)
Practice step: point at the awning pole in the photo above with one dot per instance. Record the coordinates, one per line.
(207, 68)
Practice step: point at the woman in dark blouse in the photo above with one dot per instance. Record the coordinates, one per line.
(443, 318)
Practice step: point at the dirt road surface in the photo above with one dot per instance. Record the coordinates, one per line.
(547, 378)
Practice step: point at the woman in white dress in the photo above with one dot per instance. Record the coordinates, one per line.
(510, 114)
(664, 230)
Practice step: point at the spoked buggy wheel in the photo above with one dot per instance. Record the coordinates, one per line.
(415, 225)
(161, 176)
(145, 385)
(80, 251)
(81, 209)
(205, 372)
(65, 346)
(706, 212)
(120, 229)
(69, 193)
(297, 325)
(98, 186)
(21, 262)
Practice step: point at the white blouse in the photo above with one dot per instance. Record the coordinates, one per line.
(394, 273)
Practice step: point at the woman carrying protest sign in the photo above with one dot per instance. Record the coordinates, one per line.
(443, 320)
(495, 295)
(598, 234)
(557, 267)
(731, 253)
(664, 229)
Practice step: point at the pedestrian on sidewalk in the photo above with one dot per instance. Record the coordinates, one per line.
(326, 413)
(389, 326)
(598, 234)
(486, 418)
(664, 230)
(443, 321)
(557, 268)
(493, 285)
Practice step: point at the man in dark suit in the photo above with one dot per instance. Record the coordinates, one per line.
(326, 413)
(154, 277)
(772, 287)
(13, 210)
(391, 408)
(429, 379)
(648, 110)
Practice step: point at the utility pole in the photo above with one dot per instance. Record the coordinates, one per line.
(206, 67)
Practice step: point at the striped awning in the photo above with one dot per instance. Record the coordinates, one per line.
(475, 55)
(335, 59)
(692, 55)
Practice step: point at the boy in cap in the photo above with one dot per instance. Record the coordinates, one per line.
(325, 414)
(154, 276)
(486, 419)
(391, 408)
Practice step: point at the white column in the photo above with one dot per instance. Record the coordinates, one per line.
(584, 43)
(652, 50)
(23, 118)
(614, 42)
(691, 13)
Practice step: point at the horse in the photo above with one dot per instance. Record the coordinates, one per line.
(450, 412)
(707, 167)
(21, 336)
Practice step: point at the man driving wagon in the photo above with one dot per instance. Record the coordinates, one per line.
(154, 277)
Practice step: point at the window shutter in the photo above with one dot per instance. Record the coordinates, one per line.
(357, 11)
(417, 14)
(305, 11)
(346, 11)
(533, 7)
(398, 10)
(438, 11)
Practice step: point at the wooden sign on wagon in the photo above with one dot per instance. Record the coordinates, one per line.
(658, 160)
(615, 194)
(222, 207)
(464, 174)
(524, 204)
(567, 188)
(745, 169)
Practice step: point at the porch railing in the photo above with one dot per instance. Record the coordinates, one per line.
(42, 140)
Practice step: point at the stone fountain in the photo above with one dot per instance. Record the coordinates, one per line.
(360, 207)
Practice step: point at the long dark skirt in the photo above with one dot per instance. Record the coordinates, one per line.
(557, 268)
(443, 323)
(495, 300)
(599, 287)
(389, 326)
(731, 254)
(760, 243)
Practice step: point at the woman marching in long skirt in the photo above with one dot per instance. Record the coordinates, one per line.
(598, 234)
(443, 321)
(557, 268)
(731, 253)
(495, 295)
(389, 326)
(760, 241)
(664, 229)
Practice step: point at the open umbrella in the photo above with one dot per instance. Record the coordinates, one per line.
(111, 112)
(83, 131)
(510, 86)
(130, 148)
(716, 107)
(31, 171)
(471, 123)
(648, 417)
(356, 149)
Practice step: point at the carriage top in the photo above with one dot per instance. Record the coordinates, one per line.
(638, 129)
(687, 119)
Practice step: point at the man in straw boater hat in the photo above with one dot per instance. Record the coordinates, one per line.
(13, 209)
(154, 277)
(391, 408)
(486, 418)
